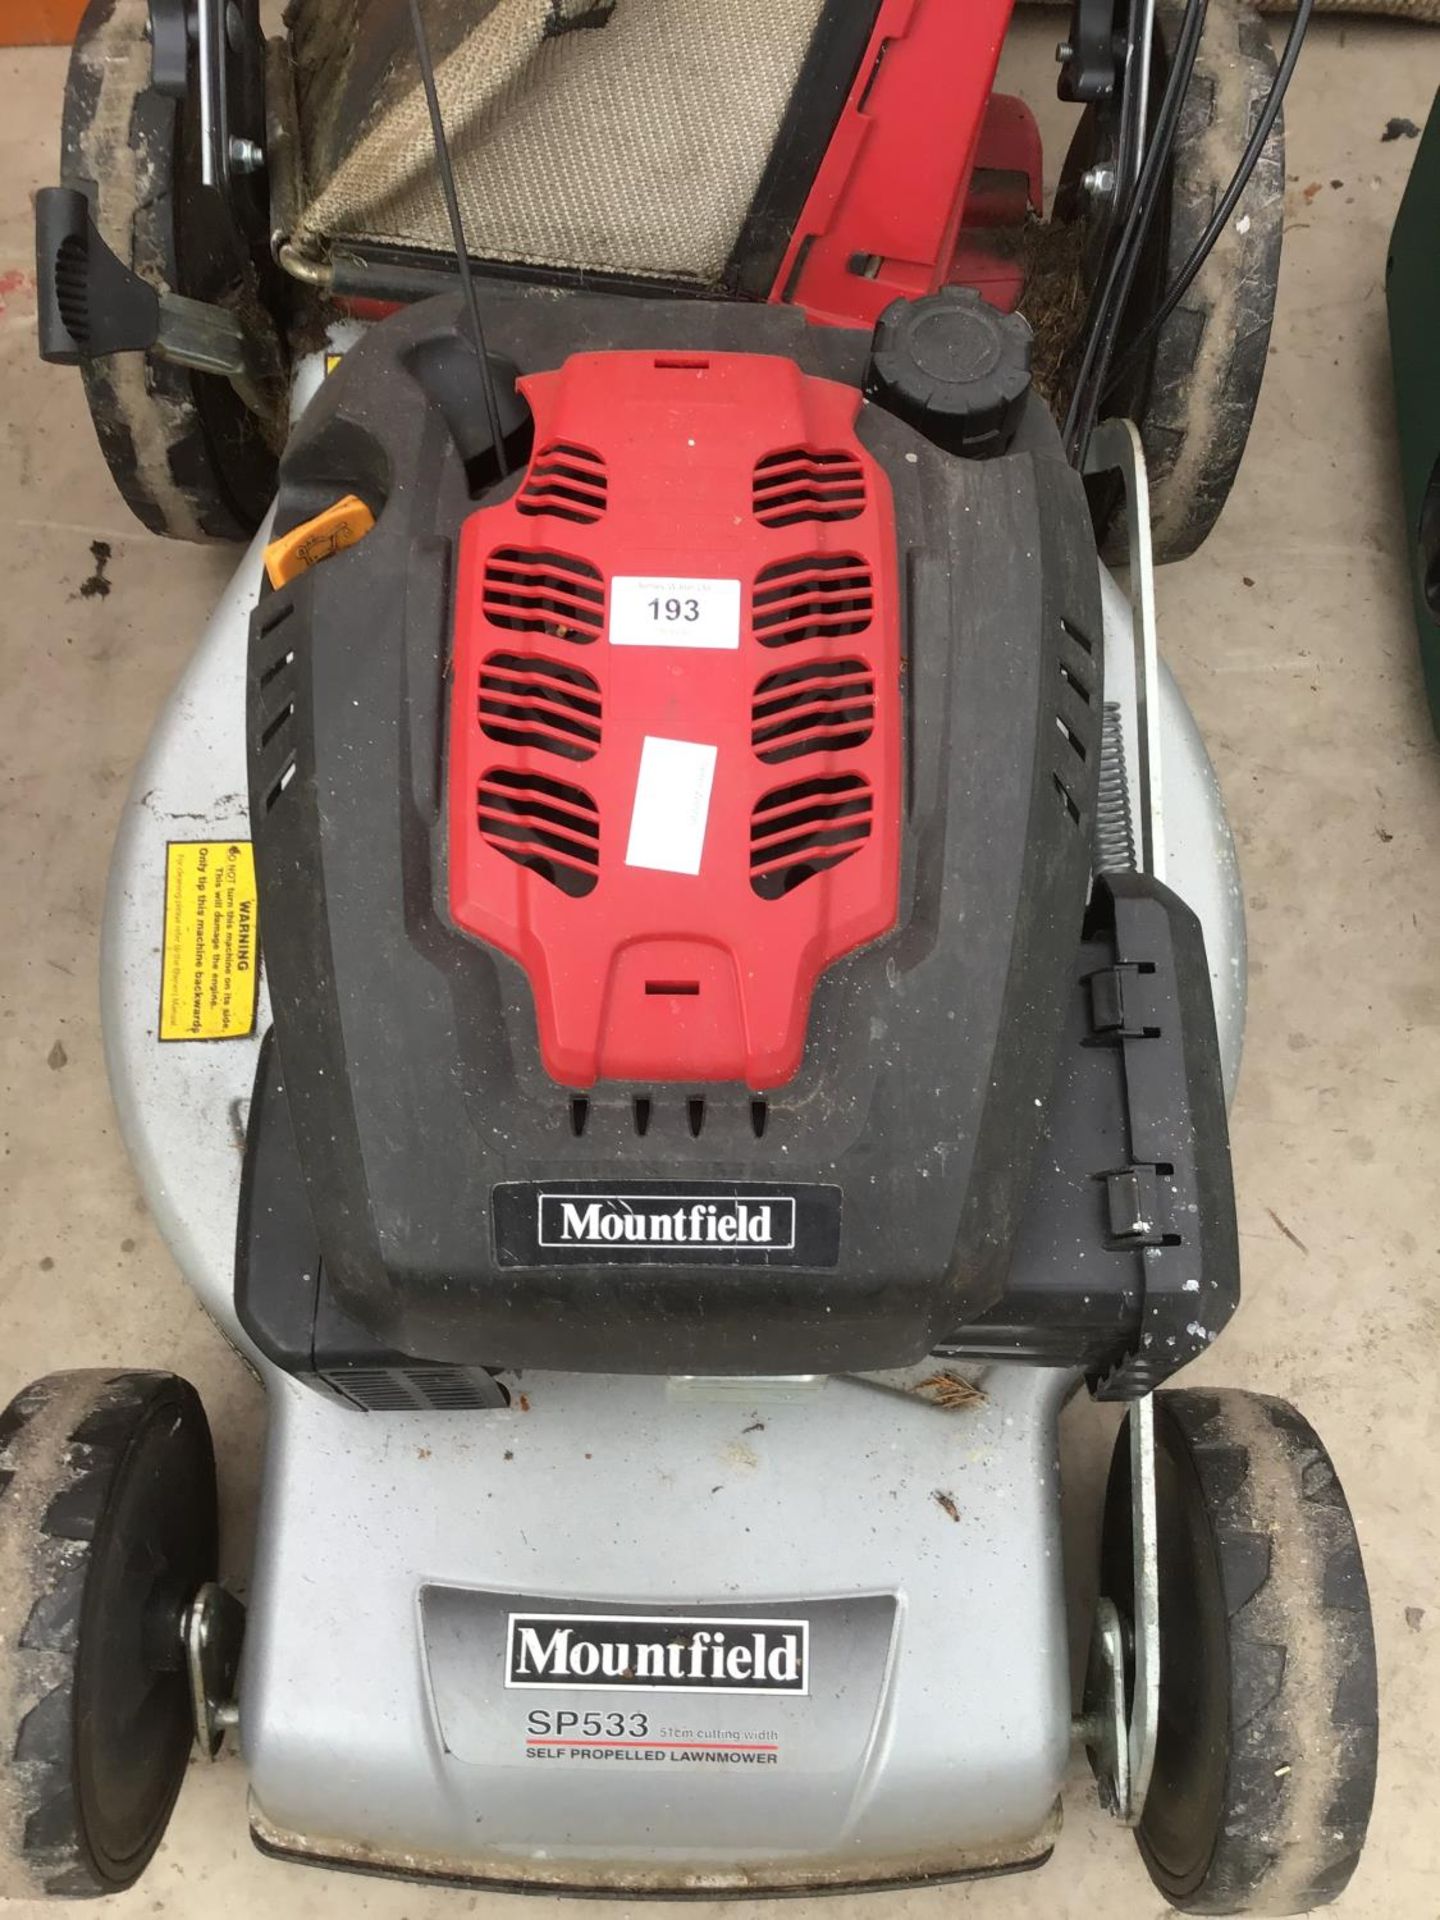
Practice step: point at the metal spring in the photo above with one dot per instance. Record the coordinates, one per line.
(1114, 830)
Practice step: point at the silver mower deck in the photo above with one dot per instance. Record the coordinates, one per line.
(896, 1566)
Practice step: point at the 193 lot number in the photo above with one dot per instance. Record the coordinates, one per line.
(658, 610)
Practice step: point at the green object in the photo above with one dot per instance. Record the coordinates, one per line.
(1412, 291)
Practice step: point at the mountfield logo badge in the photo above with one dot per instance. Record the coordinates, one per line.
(665, 1223)
(583, 1652)
(696, 1221)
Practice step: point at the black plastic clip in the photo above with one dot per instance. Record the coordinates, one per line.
(1123, 1002)
(1137, 1204)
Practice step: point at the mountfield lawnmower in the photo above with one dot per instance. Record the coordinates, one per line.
(674, 963)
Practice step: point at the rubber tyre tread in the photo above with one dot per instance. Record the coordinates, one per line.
(65, 1444)
(1265, 1771)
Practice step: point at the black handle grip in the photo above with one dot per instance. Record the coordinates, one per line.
(89, 302)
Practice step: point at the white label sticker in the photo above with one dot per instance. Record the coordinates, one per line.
(648, 611)
(672, 805)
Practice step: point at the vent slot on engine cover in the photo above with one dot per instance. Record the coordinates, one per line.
(276, 685)
(532, 590)
(566, 481)
(529, 701)
(801, 483)
(821, 707)
(546, 825)
(803, 829)
(818, 596)
(1077, 722)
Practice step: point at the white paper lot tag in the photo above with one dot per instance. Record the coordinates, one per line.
(672, 805)
(652, 611)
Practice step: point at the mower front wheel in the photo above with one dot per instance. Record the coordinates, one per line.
(1265, 1765)
(108, 1528)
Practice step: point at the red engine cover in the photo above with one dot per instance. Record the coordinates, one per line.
(674, 752)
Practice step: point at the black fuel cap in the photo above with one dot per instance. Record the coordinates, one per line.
(953, 366)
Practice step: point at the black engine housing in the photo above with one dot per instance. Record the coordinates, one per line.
(409, 1076)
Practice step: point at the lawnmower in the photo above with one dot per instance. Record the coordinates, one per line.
(674, 965)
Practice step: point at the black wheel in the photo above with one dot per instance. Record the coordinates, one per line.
(1265, 1767)
(1193, 390)
(107, 1529)
(191, 460)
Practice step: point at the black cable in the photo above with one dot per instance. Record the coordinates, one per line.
(1108, 307)
(457, 234)
(1118, 267)
(1228, 200)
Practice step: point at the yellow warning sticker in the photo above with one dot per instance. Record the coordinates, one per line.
(332, 360)
(210, 962)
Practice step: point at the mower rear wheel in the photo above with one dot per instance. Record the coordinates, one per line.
(188, 456)
(1265, 1767)
(108, 1527)
(1193, 387)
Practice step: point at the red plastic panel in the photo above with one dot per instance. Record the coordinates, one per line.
(884, 213)
(1005, 190)
(677, 801)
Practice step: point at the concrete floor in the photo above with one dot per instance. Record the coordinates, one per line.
(1291, 634)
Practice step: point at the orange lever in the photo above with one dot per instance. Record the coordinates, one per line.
(337, 527)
